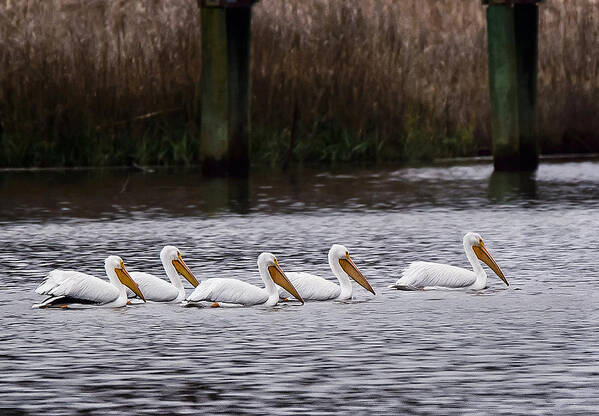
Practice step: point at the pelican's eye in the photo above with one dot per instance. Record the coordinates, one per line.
(347, 254)
(276, 262)
(480, 242)
(122, 264)
(179, 256)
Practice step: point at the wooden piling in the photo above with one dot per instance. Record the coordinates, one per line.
(526, 19)
(512, 28)
(225, 87)
(214, 117)
(238, 38)
(503, 85)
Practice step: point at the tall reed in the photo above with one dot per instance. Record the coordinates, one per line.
(100, 82)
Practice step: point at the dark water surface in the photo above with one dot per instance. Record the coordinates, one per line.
(532, 348)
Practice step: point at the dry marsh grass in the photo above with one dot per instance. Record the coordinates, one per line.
(105, 82)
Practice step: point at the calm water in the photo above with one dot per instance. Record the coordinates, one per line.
(532, 348)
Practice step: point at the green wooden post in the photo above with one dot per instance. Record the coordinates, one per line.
(214, 118)
(527, 40)
(512, 27)
(225, 87)
(238, 38)
(503, 86)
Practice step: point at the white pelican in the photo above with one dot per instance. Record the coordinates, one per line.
(425, 275)
(233, 292)
(316, 288)
(158, 290)
(67, 287)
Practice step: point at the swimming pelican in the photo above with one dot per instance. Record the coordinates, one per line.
(316, 288)
(158, 290)
(66, 287)
(235, 292)
(424, 275)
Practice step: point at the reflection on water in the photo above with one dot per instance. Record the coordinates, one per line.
(527, 349)
(124, 194)
(506, 186)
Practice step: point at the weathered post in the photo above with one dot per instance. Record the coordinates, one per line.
(503, 85)
(526, 22)
(512, 28)
(238, 38)
(214, 89)
(225, 86)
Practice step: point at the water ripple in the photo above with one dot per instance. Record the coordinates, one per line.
(526, 349)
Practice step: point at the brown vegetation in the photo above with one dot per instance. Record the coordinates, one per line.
(105, 82)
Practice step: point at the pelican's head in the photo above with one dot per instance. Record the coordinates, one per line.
(173, 255)
(269, 261)
(475, 241)
(340, 254)
(115, 263)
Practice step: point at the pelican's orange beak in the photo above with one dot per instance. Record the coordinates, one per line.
(483, 254)
(279, 277)
(184, 271)
(352, 270)
(128, 281)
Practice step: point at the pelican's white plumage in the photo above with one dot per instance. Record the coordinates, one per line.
(155, 289)
(66, 287)
(314, 287)
(425, 275)
(236, 292)
(158, 290)
(230, 291)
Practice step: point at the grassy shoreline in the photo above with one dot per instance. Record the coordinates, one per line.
(101, 83)
(335, 167)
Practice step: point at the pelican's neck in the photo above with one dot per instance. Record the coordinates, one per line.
(269, 285)
(344, 282)
(115, 281)
(171, 273)
(481, 275)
